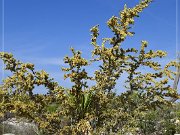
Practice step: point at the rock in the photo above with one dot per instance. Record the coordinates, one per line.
(8, 134)
(13, 126)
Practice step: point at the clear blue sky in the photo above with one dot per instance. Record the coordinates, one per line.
(42, 31)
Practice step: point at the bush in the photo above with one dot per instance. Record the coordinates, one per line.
(94, 109)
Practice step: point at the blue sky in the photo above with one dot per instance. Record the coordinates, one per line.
(42, 31)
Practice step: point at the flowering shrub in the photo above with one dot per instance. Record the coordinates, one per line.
(93, 109)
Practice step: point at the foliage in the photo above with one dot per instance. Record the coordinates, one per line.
(94, 109)
(161, 121)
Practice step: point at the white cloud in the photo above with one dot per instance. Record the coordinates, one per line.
(40, 60)
(46, 61)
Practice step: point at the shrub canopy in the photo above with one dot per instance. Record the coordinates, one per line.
(93, 109)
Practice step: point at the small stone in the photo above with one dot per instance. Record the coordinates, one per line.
(8, 134)
(18, 126)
